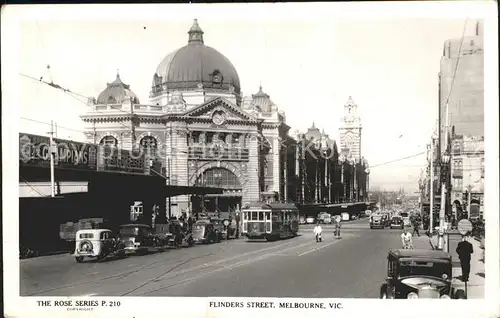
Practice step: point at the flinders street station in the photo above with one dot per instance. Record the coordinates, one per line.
(197, 130)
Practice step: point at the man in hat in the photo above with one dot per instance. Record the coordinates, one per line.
(464, 251)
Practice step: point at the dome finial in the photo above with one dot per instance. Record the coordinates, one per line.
(195, 33)
(313, 126)
(117, 73)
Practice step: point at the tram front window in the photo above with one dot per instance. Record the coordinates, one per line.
(261, 216)
(268, 216)
(254, 216)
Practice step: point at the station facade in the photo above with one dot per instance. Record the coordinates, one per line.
(198, 130)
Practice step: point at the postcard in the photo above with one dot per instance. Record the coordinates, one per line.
(221, 160)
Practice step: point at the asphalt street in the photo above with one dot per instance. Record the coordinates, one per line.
(353, 267)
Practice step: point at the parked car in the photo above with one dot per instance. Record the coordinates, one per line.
(204, 232)
(302, 219)
(140, 239)
(376, 221)
(414, 274)
(310, 220)
(219, 227)
(396, 223)
(97, 244)
(174, 234)
(325, 218)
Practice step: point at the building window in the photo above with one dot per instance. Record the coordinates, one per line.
(150, 145)
(109, 141)
(209, 137)
(457, 168)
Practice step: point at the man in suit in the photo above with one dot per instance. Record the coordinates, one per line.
(464, 251)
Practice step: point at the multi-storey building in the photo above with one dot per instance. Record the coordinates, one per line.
(462, 75)
(199, 130)
(467, 173)
(461, 91)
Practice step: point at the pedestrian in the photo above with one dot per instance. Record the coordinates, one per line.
(317, 232)
(464, 251)
(416, 226)
(406, 239)
(337, 227)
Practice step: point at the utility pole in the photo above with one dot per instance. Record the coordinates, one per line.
(431, 190)
(52, 150)
(444, 175)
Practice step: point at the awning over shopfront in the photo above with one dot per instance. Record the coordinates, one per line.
(172, 191)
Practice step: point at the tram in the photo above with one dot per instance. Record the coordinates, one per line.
(270, 221)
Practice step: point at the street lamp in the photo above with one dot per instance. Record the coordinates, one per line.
(445, 159)
(367, 172)
(218, 177)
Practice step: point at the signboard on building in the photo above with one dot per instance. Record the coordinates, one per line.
(34, 151)
(121, 160)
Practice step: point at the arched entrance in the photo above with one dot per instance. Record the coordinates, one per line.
(218, 177)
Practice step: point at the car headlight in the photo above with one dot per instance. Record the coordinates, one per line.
(444, 296)
(412, 296)
(444, 276)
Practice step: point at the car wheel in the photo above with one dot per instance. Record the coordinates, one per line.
(383, 292)
(460, 294)
(79, 259)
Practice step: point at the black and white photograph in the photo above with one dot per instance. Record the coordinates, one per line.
(269, 159)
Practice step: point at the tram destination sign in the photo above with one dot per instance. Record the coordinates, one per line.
(34, 151)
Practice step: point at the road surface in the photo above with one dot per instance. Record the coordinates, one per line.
(352, 267)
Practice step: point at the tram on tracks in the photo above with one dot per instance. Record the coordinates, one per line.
(270, 221)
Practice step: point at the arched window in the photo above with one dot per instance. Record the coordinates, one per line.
(109, 141)
(150, 145)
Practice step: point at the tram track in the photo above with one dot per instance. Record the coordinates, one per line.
(224, 267)
(119, 275)
(281, 246)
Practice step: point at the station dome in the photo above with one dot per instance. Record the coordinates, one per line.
(195, 66)
(116, 93)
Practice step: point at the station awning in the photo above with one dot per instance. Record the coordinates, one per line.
(172, 191)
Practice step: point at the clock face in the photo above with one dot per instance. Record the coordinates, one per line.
(219, 117)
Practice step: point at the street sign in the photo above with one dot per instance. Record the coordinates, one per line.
(464, 226)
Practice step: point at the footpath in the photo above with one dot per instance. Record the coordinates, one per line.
(475, 285)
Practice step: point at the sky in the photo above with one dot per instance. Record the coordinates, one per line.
(387, 62)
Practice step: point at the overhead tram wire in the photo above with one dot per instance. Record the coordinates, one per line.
(458, 61)
(68, 92)
(33, 188)
(396, 160)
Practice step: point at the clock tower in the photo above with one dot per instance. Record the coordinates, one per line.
(350, 131)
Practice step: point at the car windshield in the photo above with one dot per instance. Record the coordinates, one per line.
(423, 267)
(129, 231)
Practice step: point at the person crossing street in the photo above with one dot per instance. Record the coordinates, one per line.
(406, 239)
(318, 232)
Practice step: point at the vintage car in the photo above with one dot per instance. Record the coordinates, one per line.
(396, 223)
(204, 232)
(175, 234)
(140, 239)
(325, 218)
(419, 274)
(97, 244)
(376, 221)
